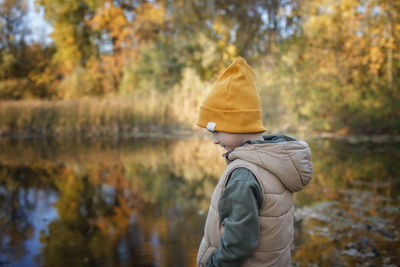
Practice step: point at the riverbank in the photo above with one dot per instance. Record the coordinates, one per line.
(145, 114)
(184, 134)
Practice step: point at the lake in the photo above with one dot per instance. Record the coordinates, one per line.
(143, 202)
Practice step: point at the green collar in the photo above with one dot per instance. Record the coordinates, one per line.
(271, 138)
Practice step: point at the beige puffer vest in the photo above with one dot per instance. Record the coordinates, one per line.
(280, 169)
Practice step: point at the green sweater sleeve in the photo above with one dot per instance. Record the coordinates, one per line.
(238, 209)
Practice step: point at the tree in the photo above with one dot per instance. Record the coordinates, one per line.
(344, 64)
(12, 34)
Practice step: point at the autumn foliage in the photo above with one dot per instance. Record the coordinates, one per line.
(320, 65)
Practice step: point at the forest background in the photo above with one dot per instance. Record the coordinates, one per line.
(134, 66)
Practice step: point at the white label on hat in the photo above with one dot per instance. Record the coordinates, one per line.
(211, 126)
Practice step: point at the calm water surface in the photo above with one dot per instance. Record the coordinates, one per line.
(143, 202)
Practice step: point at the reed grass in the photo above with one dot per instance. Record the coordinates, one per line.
(88, 117)
(144, 111)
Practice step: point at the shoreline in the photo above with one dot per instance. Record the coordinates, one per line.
(184, 134)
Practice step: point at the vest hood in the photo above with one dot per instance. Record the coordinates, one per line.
(286, 158)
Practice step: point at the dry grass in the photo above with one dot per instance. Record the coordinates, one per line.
(93, 117)
(148, 111)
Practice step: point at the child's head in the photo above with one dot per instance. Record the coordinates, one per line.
(233, 105)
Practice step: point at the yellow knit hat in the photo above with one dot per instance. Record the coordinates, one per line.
(233, 105)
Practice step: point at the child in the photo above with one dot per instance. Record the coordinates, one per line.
(250, 219)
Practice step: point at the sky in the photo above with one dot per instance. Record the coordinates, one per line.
(39, 27)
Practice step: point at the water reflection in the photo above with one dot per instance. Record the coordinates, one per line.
(142, 202)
